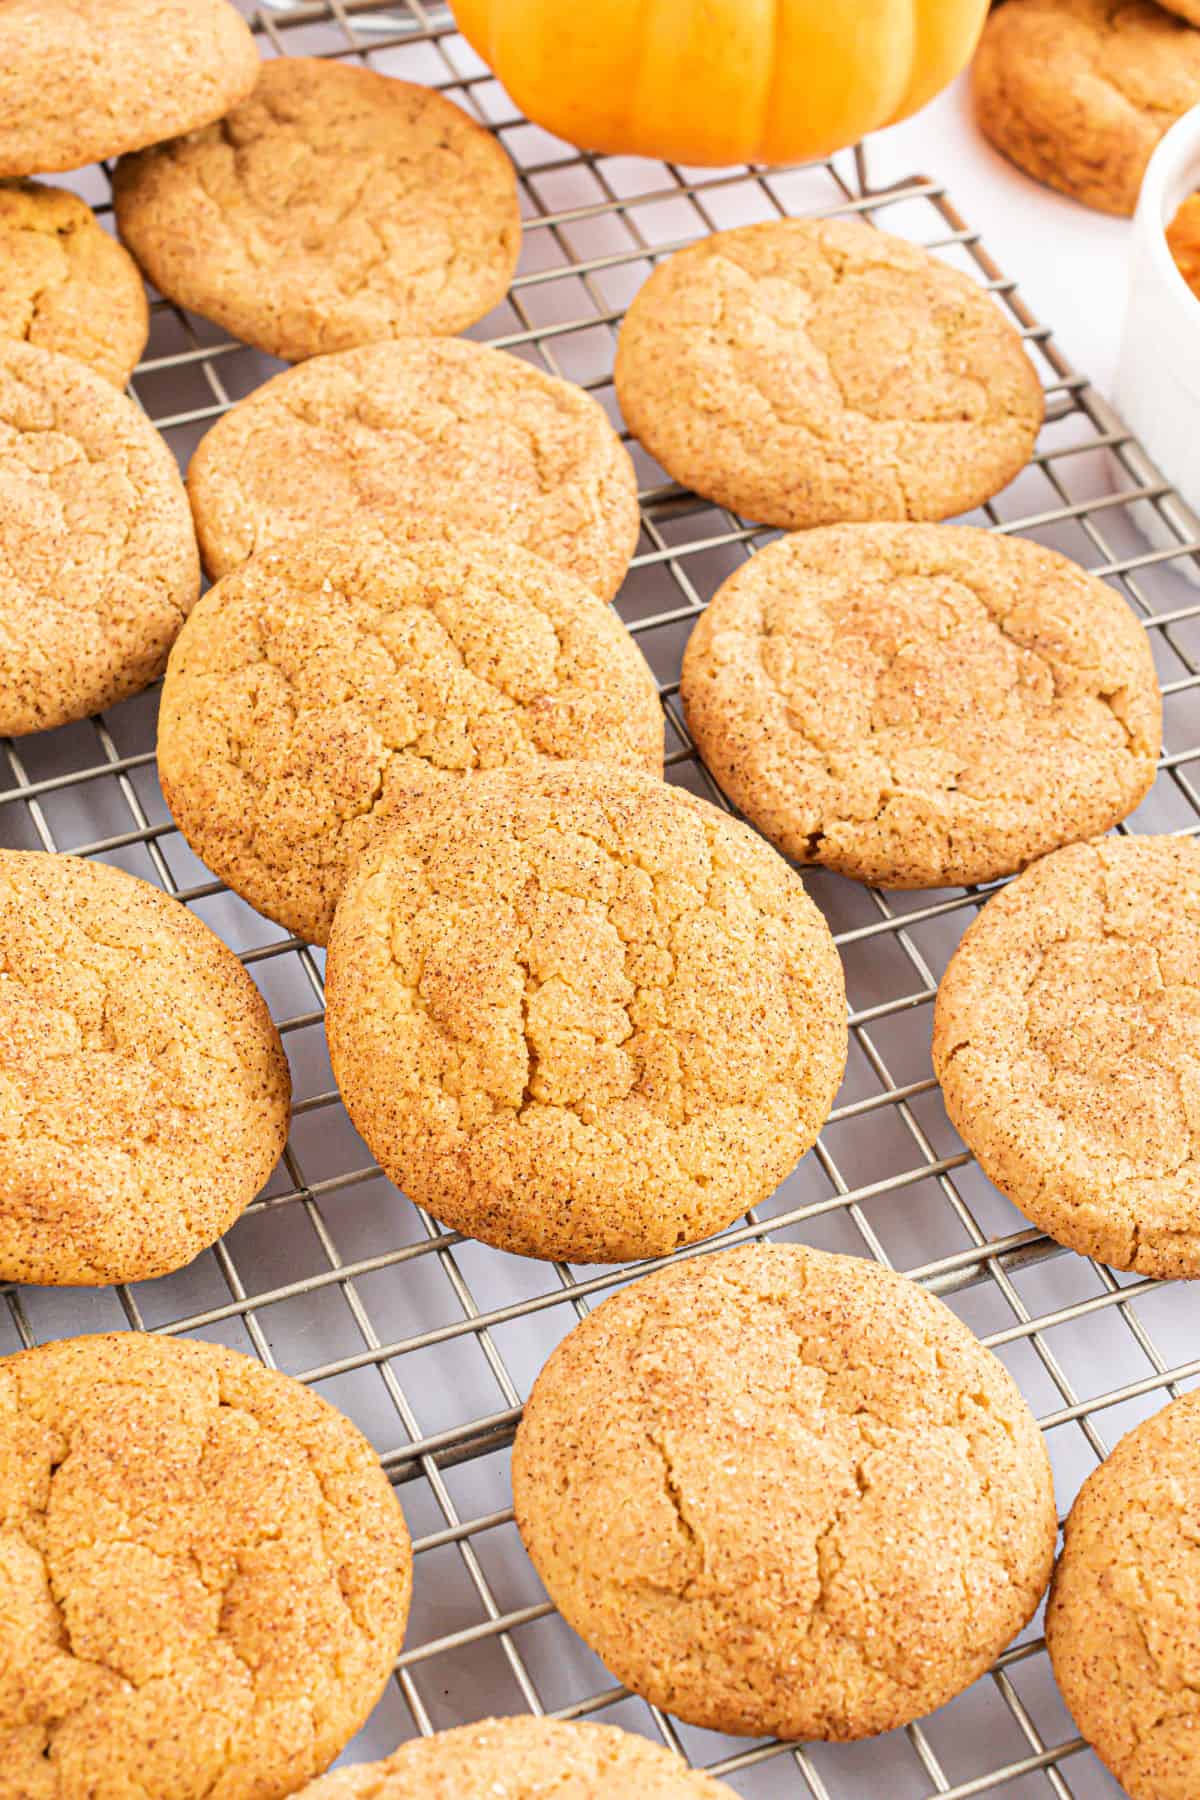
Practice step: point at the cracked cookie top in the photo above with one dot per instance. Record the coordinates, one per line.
(922, 705)
(1123, 1618)
(781, 1492)
(1067, 1041)
(98, 563)
(333, 207)
(81, 80)
(522, 1759)
(807, 372)
(65, 284)
(206, 1575)
(314, 688)
(144, 1090)
(582, 1014)
(1079, 92)
(441, 433)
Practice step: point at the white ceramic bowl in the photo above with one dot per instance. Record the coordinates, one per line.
(1158, 375)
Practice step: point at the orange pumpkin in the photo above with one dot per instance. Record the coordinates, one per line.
(721, 81)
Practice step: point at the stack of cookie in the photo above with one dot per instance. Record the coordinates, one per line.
(575, 1012)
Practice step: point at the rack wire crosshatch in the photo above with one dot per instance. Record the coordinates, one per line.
(428, 1341)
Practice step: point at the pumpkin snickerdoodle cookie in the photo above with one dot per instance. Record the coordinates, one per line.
(1123, 1618)
(81, 80)
(98, 563)
(443, 434)
(333, 207)
(582, 1014)
(922, 705)
(1079, 92)
(206, 1574)
(782, 1492)
(318, 686)
(805, 372)
(65, 284)
(145, 1091)
(522, 1759)
(1067, 1043)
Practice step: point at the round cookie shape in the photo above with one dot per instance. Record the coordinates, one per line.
(82, 80)
(145, 1095)
(784, 1493)
(334, 206)
(1079, 92)
(922, 705)
(809, 372)
(1067, 1043)
(98, 563)
(318, 686)
(207, 1574)
(65, 284)
(1123, 1618)
(581, 1014)
(521, 1759)
(441, 433)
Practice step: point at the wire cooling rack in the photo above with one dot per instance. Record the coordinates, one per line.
(430, 1342)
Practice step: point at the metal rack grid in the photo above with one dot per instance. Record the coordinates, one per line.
(428, 1341)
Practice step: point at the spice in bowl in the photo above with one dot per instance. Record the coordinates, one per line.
(1183, 241)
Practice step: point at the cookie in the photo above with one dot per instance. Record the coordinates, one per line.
(442, 433)
(781, 1492)
(521, 1759)
(98, 563)
(315, 689)
(333, 207)
(65, 284)
(809, 371)
(581, 1014)
(81, 80)
(1067, 1042)
(206, 1574)
(1123, 1619)
(1079, 92)
(145, 1091)
(922, 705)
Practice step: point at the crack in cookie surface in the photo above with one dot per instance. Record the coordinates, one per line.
(98, 562)
(1067, 1043)
(856, 1514)
(1123, 1620)
(581, 1013)
(144, 1097)
(800, 372)
(65, 285)
(206, 1574)
(333, 207)
(921, 706)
